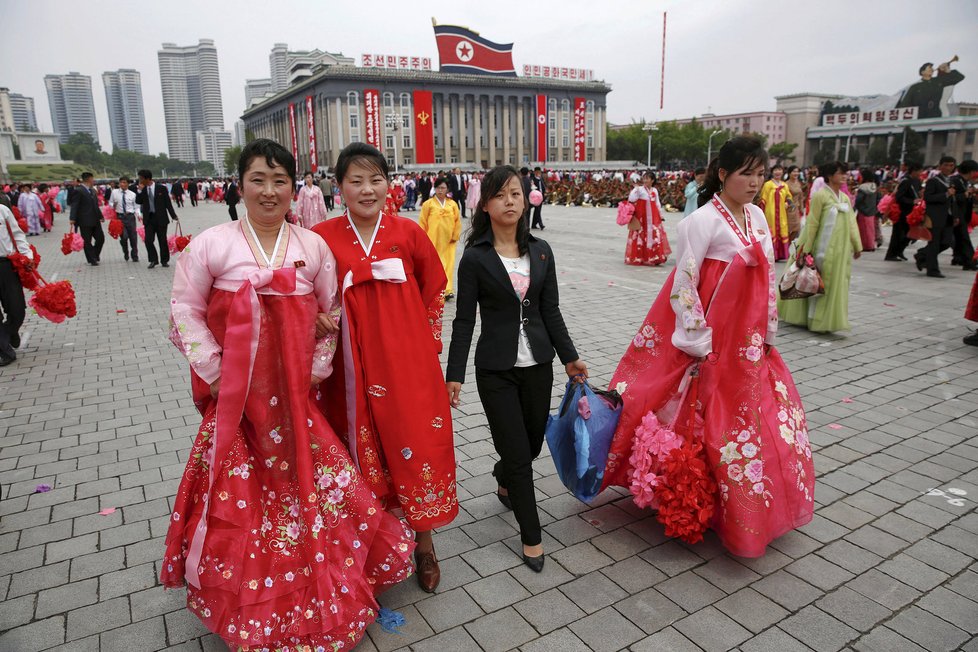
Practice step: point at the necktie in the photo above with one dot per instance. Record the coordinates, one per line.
(152, 199)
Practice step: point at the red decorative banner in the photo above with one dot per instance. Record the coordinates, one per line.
(295, 140)
(579, 129)
(542, 142)
(371, 105)
(311, 126)
(424, 129)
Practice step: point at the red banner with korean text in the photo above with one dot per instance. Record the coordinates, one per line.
(311, 127)
(295, 140)
(580, 124)
(542, 143)
(371, 106)
(424, 129)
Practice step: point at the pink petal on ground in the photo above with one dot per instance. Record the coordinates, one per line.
(42, 488)
(835, 426)
(611, 282)
(119, 312)
(107, 511)
(889, 305)
(847, 400)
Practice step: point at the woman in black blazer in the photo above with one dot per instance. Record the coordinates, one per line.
(511, 276)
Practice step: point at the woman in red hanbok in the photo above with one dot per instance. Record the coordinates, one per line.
(718, 311)
(647, 243)
(279, 539)
(387, 397)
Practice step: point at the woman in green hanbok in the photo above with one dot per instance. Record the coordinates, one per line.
(831, 236)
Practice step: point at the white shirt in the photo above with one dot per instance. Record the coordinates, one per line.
(6, 245)
(518, 270)
(123, 203)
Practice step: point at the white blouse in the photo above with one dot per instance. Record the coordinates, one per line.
(706, 234)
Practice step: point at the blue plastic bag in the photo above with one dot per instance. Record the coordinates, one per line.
(579, 437)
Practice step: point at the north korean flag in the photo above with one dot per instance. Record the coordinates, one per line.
(461, 50)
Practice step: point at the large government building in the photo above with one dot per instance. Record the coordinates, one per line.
(425, 118)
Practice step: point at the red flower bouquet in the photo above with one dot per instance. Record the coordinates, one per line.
(141, 232)
(71, 242)
(917, 215)
(115, 228)
(178, 241)
(22, 223)
(108, 212)
(26, 268)
(54, 301)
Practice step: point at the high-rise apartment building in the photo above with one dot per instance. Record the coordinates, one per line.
(289, 66)
(211, 145)
(256, 88)
(72, 107)
(124, 100)
(191, 85)
(16, 112)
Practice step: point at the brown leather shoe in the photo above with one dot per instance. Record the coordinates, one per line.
(427, 570)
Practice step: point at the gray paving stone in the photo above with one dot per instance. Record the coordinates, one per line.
(491, 559)
(633, 574)
(727, 574)
(913, 572)
(606, 630)
(560, 640)
(671, 558)
(650, 610)
(819, 572)
(144, 635)
(712, 630)
(453, 639)
(549, 611)
(66, 597)
(593, 592)
(496, 591)
(774, 640)
(927, 630)
(965, 584)
(752, 610)
(502, 630)
(182, 626)
(16, 612)
(97, 564)
(819, 630)
(36, 580)
(667, 639)
(38, 635)
(787, 590)
(854, 609)
(553, 575)
(127, 581)
(447, 610)
(949, 606)
(884, 639)
(98, 618)
(620, 544)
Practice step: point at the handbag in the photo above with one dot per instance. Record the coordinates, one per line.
(801, 280)
(626, 213)
(579, 437)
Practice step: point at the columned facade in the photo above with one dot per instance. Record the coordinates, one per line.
(478, 121)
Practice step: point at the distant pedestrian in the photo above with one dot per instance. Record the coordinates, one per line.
(310, 206)
(12, 305)
(156, 207)
(232, 198)
(537, 183)
(123, 202)
(87, 217)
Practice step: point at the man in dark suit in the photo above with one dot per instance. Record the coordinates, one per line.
(424, 187)
(232, 197)
(85, 214)
(907, 192)
(192, 190)
(537, 183)
(456, 186)
(962, 207)
(154, 202)
(939, 196)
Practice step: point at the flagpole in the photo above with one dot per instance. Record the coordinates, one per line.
(662, 78)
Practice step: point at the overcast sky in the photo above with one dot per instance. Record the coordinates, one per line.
(722, 56)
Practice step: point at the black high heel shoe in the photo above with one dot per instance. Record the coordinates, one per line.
(504, 499)
(535, 563)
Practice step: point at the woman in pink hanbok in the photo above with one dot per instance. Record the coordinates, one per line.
(647, 243)
(280, 541)
(717, 314)
(310, 207)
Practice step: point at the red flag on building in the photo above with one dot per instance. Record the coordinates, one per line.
(542, 142)
(461, 50)
(424, 129)
(311, 127)
(295, 140)
(580, 128)
(371, 111)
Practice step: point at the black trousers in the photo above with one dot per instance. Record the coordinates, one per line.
(964, 251)
(94, 238)
(898, 239)
(156, 234)
(193, 199)
(940, 240)
(178, 200)
(233, 212)
(537, 220)
(329, 201)
(461, 208)
(12, 308)
(517, 403)
(129, 238)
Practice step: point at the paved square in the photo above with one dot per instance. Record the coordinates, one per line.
(99, 408)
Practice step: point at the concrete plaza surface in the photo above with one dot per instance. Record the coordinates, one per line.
(99, 408)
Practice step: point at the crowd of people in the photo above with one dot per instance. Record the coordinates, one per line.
(325, 459)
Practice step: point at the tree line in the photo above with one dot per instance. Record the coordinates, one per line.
(83, 150)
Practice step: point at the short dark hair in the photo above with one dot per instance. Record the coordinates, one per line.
(363, 154)
(924, 67)
(698, 171)
(439, 181)
(537, 169)
(145, 174)
(125, 178)
(826, 170)
(87, 175)
(492, 183)
(867, 174)
(947, 159)
(913, 166)
(273, 153)
(42, 187)
(524, 170)
(307, 173)
(967, 167)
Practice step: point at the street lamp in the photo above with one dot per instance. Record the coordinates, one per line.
(709, 146)
(649, 128)
(848, 141)
(392, 120)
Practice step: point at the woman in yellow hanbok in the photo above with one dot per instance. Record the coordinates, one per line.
(775, 196)
(440, 219)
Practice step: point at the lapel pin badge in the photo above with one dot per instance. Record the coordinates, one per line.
(299, 263)
(395, 249)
